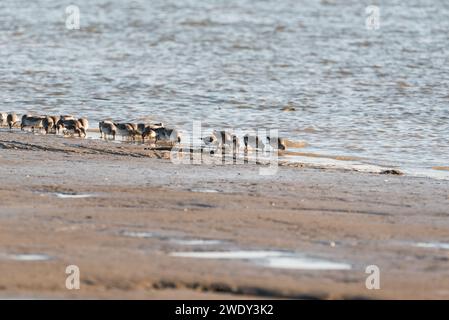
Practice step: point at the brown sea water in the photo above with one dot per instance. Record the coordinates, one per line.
(381, 95)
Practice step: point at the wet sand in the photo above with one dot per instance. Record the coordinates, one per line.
(122, 213)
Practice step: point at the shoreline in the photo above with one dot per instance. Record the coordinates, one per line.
(126, 211)
(294, 156)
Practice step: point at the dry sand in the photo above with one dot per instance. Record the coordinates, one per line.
(142, 207)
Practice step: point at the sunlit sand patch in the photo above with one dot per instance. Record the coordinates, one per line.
(443, 168)
(296, 144)
(25, 257)
(433, 245)
(270, 259)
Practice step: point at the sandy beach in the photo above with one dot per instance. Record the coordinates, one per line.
(132, 221)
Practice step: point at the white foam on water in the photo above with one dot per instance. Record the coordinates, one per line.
(270, 259)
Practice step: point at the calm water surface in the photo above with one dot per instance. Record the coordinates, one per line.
(380, 95)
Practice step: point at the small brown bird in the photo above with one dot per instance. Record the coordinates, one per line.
(279, 143)
(170, 136)
(252, 142)
(71, 125)
(107, 128)
(55, 122)
(128, 130)
(3, 119)
(210, 141)
(12, 120)
(34, 122)
(60, 119)
(48, 124)
(148, 130)
(227, 140)
(84, 123)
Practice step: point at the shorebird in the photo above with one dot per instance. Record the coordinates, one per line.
(235, 143)
(3, 119)
(84, 123)
(227, 140)
(279, 144)
(210, 141)
(71, 125)
(12, 120)
(126, 130)
(170, 136)
(155, 126)
(107, 128)
(48, 124)
(148, 130)
(141, 127)
(35, 122)
(62, 118)
(223, 137)
(252, 142)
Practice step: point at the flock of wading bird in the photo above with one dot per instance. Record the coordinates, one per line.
(156, 132)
